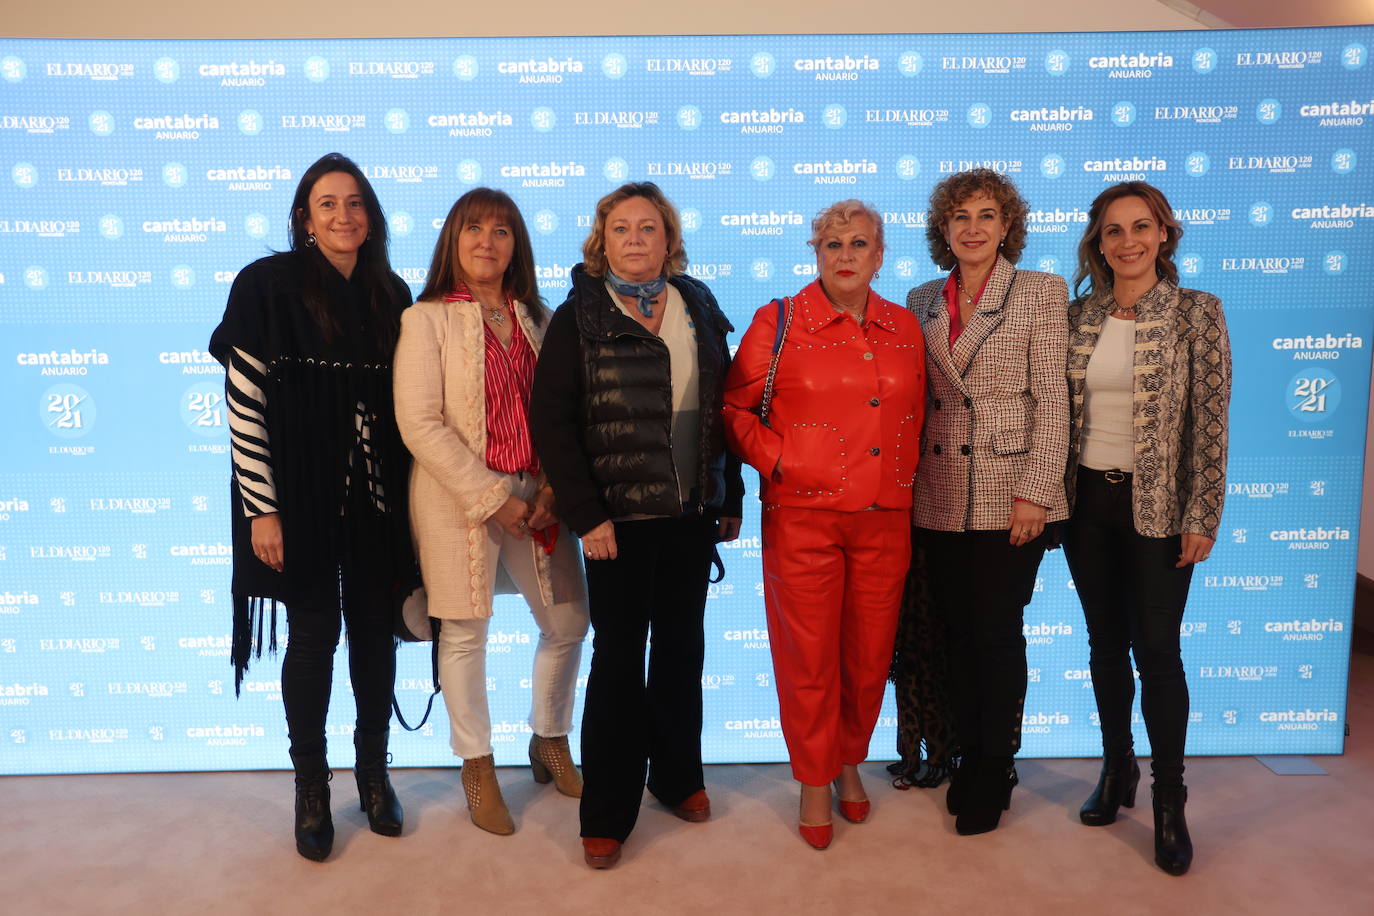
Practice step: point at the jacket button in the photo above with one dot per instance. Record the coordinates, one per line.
(873, 402)
(964, 450)
(874, 450)
(968, 403)
(868, 356)
(936, 404)
(937, 450)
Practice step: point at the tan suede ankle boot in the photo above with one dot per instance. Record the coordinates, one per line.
(486, 807)
(550, 759)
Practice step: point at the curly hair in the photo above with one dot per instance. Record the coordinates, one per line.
(959, 187)
(594, 248)
(839, 215)
(1092, 265)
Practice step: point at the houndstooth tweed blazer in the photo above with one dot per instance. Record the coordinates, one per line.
(997, 408)
(1182, 392)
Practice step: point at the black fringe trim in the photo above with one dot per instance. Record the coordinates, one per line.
(251, 616)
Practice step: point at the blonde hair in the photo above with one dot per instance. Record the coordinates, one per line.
(839, 215)
(594, 248)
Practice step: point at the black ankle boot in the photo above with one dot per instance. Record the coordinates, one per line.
(1173, 846)
(314, 825)
(1116, 786)
(986, 796)
(959, 783)
(375, 794)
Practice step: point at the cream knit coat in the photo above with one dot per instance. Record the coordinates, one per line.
(439, 384)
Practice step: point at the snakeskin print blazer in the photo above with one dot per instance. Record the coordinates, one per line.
(1182, 390)
(997, 411)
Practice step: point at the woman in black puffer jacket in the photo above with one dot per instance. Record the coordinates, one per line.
(625, 413)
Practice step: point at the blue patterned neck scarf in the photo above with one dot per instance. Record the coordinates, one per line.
(644, 293)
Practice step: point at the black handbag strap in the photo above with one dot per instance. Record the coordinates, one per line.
(784, 322)
(434, 675)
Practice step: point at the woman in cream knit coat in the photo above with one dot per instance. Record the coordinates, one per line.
(481, 509)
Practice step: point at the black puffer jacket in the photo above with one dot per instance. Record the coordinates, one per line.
(601, 410)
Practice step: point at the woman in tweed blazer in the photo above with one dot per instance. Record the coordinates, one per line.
(481, 510)
(1150, 380)
(990, 477)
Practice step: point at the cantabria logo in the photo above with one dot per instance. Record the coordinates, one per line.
(1282, 60)
(763, 120)
(1338, 114)
(1055, 220)
(544, 174)
(1332, 216)
(990, 64)
(762, 222)
(209, 646)
(64, 362)
(1140, 65)
(1131, 168)
(177, 127)
(226, 735)
(836, 68)
(552, 276)
(394, 69)
(21, 694)
(36, 124)
(911, 117)
(1043, 634)
(1319, 346)
(1040, 723)
(1299, 719)
(1310, 538)
(1198, 114)
(470, 124)
(250, 177)
(1054, 118)
(755, 728)
(754, 638)
(547, 70)
(243, 73)
(194, 229)
(836, 171)
(99, 72)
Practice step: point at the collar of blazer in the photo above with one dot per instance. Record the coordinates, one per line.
(1154, 305)
(985, 319)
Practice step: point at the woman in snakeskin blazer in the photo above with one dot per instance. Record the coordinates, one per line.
(990, 477)
(1149, 383)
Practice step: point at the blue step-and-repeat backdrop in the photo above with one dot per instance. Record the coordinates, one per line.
(136, 178)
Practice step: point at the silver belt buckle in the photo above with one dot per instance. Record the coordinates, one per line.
(1115, 475)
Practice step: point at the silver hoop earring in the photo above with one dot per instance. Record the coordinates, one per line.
(310, 240)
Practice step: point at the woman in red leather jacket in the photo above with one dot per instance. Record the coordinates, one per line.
(836, 458)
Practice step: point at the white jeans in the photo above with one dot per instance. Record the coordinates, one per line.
(463, 647)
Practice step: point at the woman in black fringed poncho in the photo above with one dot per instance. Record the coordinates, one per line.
(319, 478)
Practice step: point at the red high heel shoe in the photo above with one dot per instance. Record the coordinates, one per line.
(818, 835)
(856, 812)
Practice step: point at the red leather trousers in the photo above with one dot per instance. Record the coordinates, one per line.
(832, 588)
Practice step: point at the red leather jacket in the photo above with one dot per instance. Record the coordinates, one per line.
(845, 420)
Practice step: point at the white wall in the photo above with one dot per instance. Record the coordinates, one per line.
(439, 18)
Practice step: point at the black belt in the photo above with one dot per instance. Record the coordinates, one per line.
(1114, 476)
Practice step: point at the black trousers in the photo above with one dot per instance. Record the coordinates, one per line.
(361, 601)
(980, 584)
(1133, 598)
(633, 724)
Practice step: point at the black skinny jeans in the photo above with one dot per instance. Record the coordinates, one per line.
(632, 725)
(980, 584)
(307, 672)
(1133, 598)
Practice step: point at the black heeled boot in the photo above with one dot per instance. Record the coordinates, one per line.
(375, 795)
(987, 795)
(314, 825)
(959, 783)
(1173, 846)
(1116, 786)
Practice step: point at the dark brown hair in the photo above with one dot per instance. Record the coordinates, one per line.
(445, 273)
